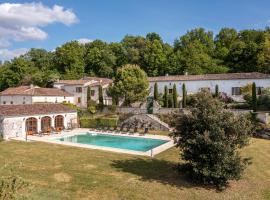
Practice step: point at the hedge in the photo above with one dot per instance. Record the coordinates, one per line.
(88, 122)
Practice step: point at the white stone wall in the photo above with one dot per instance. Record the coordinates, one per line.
(194, 86)
(15, 126)
(34, 99)
(52, 99)
(15, 99)
(83, 95)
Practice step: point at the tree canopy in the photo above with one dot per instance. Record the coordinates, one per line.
(209, 138)
(131, 83)
(198, 51)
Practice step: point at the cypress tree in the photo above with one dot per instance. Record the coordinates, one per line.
(184, 96)
(156, 92)
(165, 97)
(100, 96)
(216, 91)
(88, 96)
(254, 97)
(174, 96)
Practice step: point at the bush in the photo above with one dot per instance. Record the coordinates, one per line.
(239, 106)
(11, 187)
(112, 108)
(88, 122)
(92, 107)
(210, 138)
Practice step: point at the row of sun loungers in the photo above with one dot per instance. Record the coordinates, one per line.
(48, 131)
(118, 130)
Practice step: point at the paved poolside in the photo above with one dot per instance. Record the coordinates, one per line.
(151, 153)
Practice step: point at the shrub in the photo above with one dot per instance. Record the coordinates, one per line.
(10, 187)
(92, 106)
(210, 138)
(254, 97)
(239, 106)
(112, 108)
(88, 122)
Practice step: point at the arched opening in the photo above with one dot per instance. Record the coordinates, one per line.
(31, 126)
(46, 124)
(59, 122)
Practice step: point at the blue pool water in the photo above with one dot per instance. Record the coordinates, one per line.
(120, 142)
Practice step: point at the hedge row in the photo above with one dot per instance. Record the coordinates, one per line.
(87, 122)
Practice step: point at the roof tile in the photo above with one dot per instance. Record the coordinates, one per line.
(33, 109)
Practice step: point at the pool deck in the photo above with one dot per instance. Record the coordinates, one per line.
(151, 153)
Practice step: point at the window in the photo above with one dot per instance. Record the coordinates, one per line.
(64, 97)
(79, 89)
(24, 102)
(59, 122)
(31, 125)
(4, 102)
(236, 91)
(79, 100)
(92, 92)
(11, 102)
(170, 91)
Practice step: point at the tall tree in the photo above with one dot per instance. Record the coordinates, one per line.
(175, 95)
(156, 91)
(184, 95)
(165, 97)
(254, 97)
(99, 59)
(131, 83)
(88, 95)
(69, 59)
(210, 138)
(216, 91)
(100, 97)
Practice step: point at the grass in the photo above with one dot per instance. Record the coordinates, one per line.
(61, 172)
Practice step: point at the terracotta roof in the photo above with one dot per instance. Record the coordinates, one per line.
(34, 91)
(72, 82)
(92, 81)
(33, 109)
(228, 76)
(99, 81)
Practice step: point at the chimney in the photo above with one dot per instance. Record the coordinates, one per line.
(31, 86)
(167, 74)
(186, 73)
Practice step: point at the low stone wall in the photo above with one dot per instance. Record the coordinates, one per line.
(144, 111)
(146, 120)
(263, 117)
(166, 110)
(131, 110)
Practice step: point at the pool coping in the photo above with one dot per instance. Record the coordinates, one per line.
(151, 153)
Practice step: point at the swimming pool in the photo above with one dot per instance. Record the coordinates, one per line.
(114, 141)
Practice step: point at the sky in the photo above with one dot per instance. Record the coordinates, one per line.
(50, 23)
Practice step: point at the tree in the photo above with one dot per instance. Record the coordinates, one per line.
(175, 95)
(156, 91)
(88, 95)
(99, 59)
(210, 138)
(254, 97)
(165, 97)
(216, 91)
(184, 95)
(100, 97)
(131, 83)
(69, 60)
(154, 57)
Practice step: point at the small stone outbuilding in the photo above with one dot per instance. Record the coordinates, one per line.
(20, 120)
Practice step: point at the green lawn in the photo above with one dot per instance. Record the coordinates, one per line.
(61, 172)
